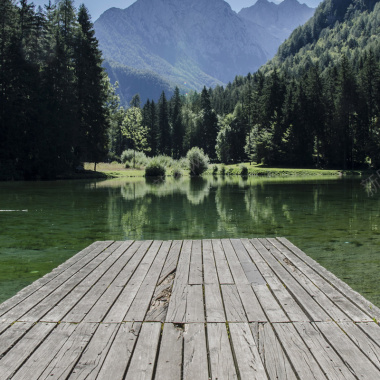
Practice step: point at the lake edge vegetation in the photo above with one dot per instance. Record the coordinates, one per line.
(297, 111)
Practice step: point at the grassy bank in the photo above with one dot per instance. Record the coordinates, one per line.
(115, 170)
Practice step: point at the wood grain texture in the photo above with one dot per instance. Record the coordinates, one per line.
(246, 352)
(169, 365)
(232, 303)
(271, 352)
(214, 304)
(195, 364)
(302, 360)
(222, 267)
(145, 353)
(196, 264)
(119, 355)
(221, 358)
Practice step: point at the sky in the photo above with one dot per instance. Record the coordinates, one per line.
(97, 7)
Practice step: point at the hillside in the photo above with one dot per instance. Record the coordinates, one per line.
(338, 27)
(192, 43)
(278, 19)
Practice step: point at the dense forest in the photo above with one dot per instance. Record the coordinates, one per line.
(54, 94)
(316, 104)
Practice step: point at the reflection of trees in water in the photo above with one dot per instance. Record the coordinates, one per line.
(170, 209)
(210, 207)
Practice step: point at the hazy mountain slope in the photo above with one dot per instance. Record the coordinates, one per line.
(279, 20)
(194, 41)
(131, 81)
(338, 27)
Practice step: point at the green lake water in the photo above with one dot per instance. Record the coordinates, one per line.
(334, 221)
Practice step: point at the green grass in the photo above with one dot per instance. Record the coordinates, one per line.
(116, 170)
(259, 170)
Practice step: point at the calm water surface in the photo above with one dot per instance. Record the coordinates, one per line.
(42, 224)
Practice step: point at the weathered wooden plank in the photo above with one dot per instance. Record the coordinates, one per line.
(122, 304)
(358, 363)
(195, 364)
(4, 326)
(314, 291)
(368, 346)
(69, 276)
(92, 287)
(234, 263)
(223, 269)
(252, 273)
(302, 360)
(45, 353)
(271, 352)
(171, 262)
(269, 304)
(14, 358)
(214, 304)
(331, 364)
(119, 355)
(232, 303)
(195, 312)
(209, 268)
(246, 353)
(80, 259)
(67, 357)
(221, 358)
(169, 364)
(95, 353)
(196, 265)
(90, 273)
(282, 295)
(160, 302)
(95, 310)
(140, 304)
(251, 304)
(178, 301)
(352, 295)
(298, 265)
(302, 297)
(145, 354)
(12, 335)
(372, 329)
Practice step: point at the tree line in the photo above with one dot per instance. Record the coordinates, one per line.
(54, 94)
(326, 120)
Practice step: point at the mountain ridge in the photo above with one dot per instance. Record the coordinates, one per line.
(189, 43)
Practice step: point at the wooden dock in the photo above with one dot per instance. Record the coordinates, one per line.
(193, 310)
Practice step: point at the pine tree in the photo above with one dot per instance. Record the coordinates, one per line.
(91, 91)
(164, 133)
(178, 132)
(209, 125)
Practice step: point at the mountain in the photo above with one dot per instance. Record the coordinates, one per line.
(338, 27)
(278, 19)
(189, 43)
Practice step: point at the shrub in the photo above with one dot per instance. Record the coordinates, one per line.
(198, 161)
(177, 172)
(165, 161)
(127, 156)
(155, 169)
(140, 158)
(222, 170)
(243, 170)
(214, 170)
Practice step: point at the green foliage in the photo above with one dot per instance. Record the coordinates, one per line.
(54, 94)
(215, 170)
(198, 161)
(243, 170)
(155, 169)
(129, 155)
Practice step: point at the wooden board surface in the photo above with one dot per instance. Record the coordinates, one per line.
(210, 309)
